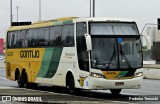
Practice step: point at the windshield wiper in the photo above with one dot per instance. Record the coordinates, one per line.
(112, 57)
(125, 57)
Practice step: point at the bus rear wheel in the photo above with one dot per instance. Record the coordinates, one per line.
(25, 79)
(25, 82)
(115, 91)
(19, 81)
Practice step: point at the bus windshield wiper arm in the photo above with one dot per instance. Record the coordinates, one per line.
(123, 54)
(112, 57)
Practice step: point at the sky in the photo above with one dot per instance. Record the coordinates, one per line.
(141, 11)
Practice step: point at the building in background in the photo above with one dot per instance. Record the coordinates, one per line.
(154, 35)
(1, 46)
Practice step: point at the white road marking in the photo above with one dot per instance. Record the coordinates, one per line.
(4, 78)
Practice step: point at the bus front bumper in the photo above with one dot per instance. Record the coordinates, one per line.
(100, 83)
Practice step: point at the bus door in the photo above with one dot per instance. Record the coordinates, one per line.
(83, 56)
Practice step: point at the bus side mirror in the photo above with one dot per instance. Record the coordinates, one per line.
(88, 42)
(148, 41)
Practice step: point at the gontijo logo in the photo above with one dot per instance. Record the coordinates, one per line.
(29, 53)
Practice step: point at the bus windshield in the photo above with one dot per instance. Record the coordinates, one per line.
(116, 52)
(113, 29)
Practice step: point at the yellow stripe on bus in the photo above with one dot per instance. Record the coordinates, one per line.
(111, 74)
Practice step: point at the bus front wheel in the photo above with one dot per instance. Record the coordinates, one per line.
(115, 91)
(70, 84)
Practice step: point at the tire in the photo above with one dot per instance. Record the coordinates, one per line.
(25, 80)
(70, 84)
(20, 81)
(115, 91)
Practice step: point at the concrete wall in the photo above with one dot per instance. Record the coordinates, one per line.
(151, 73)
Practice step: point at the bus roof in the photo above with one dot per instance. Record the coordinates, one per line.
(109, 19)
(45, 23)
(66, 20)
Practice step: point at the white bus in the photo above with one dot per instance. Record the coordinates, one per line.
(76, 53)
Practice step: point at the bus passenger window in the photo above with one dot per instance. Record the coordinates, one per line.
(68, 36)
(33, 38)
(43, 37)
(24, 38)
(14, 39)
(55, 36)
(18, 40)
(9, 38)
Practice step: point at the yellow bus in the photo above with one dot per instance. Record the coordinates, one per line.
(76, 53)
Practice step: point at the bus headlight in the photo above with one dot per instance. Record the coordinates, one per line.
(139, 74)
(97, 75)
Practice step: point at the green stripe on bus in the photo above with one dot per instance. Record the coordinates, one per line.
(58, 23)
(55, 59)
(122, 74)
(67, 22)
(45, 62)
(50, 62)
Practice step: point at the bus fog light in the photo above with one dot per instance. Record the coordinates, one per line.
(138, 74)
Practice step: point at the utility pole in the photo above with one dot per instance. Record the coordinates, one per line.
(39, 10)
(93, 8)
(11, 12)
(17, 12)
(90, 14)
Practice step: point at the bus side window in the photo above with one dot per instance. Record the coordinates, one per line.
(55, 36)
(14, 38)
(43, 36)
(9, 45)
(52, 37)
(58, 34)
(33, 38)
(68, 36)
(18, 39)
(25, 38)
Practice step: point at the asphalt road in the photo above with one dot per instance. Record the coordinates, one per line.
(50, 94)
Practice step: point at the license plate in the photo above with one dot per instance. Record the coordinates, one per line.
(119, 83)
